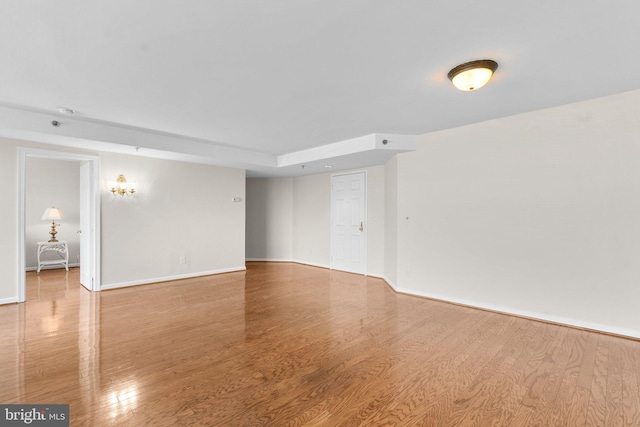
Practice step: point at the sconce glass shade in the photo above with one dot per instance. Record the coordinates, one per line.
(472, 75)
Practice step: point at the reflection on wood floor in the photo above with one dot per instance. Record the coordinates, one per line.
(287, 344)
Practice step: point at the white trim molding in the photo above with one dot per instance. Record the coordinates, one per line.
(295, 261)
(596, 327)
(51, 267)
(169, 278)
(391, 284)
(310, 263)
(12, 300)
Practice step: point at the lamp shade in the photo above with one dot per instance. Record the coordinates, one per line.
(51, 214)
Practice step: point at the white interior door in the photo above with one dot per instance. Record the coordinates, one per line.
(348, 227)
(85, 225)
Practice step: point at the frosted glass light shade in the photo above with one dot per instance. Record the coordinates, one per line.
(472, 75)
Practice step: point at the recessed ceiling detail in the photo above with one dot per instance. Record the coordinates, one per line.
(221, 81)
(368, 150)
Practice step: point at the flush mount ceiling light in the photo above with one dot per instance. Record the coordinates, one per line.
(472, 75)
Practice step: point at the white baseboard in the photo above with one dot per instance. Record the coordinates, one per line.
(11, 300)
(50, 267)
(306, 263)
(391, 284)
(310, 263)
(507, 310)
(168, 278)
(527, 314)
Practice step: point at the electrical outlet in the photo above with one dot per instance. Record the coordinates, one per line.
(183, 260)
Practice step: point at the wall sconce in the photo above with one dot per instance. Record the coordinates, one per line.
(122, 187)
(51, 214)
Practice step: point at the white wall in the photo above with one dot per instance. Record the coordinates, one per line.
(310, 219)
(52, 182)
(8, 209)
(269, 219)
(536, 214)
(376, 215)
(391, 221)
(181, 209)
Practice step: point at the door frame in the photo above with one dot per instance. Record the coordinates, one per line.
(366, 225)
(94, 206)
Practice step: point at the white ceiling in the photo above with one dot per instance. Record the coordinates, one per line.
(250, 83)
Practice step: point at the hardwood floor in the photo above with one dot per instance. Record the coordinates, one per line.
(292, 345)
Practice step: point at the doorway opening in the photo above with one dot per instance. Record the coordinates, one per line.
(89, 215)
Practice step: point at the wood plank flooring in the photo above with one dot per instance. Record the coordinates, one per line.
(292, 345)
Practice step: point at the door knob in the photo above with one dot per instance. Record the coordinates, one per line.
(361, 226)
